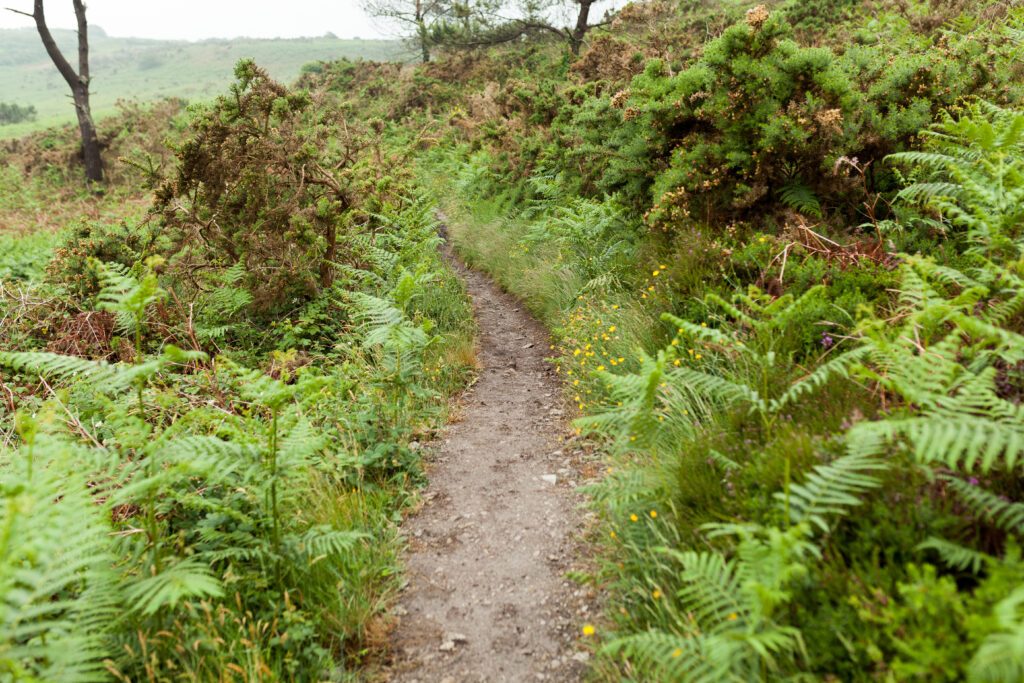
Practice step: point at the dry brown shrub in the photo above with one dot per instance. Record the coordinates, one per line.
(88, 334)
(483, 105)
(137, 129)
(610, 59)
(757, 16)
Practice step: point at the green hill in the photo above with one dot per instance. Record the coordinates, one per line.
(147, 69)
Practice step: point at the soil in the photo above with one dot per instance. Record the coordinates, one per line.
(487, 596)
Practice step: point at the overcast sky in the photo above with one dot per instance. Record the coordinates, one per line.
(198, 19)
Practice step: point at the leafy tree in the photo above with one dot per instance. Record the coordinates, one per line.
(416, 18)
(493, 22)
(13, 113)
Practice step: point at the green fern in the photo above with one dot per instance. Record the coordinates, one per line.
(385, 328)
(955, 555)
(1003, 514)
(832, 489)
(58, 592)
(975, 173)
(127, 297)
(1001, 655)
(185, 580)
(799, 197)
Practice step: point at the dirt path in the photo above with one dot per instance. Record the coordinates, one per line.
(487, 599)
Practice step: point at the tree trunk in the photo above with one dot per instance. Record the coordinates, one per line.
(90, 140)
(78, 82)
(421, 31)
(582, 26)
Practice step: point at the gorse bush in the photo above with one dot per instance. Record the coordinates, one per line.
(271, 180)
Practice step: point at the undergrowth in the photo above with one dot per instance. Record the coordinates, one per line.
(779, 248)
(202, 481)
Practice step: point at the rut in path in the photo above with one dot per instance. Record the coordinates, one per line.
(487, 599)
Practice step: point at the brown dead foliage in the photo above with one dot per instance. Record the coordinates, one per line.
(805, 239)
(136, 130)
(88, 334)
(610, 59)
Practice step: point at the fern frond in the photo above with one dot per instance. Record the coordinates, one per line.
(839, 366)
(58, 592)
(1001, 655)
(711, 590)
(801, 198)
(660, 656)
(1004, 514)
(323, 541)
(958, 442)
(832, 489)
(955, 555)
(716, 388)
(185, 580)
(56, 366)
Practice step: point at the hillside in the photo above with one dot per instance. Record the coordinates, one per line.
(695, 357)
(149, 69)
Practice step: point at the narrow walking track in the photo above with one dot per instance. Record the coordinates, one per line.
(487, 598)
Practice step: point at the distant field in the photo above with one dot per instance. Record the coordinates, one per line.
(147, 69)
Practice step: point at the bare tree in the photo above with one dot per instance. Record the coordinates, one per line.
(418, 18)
(78, 81)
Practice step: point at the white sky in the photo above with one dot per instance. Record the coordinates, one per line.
(198, 19)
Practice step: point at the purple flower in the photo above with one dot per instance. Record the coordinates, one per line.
(973, 481)
(826, 340)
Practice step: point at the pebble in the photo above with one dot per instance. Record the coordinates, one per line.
(550, 478)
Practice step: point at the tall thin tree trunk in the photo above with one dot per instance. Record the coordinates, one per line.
(78, 82)
(582, 26)
(421, 30)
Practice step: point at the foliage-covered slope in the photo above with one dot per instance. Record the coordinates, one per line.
(143, 69)
(206, 438)
(779, 246)
(787, 306)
